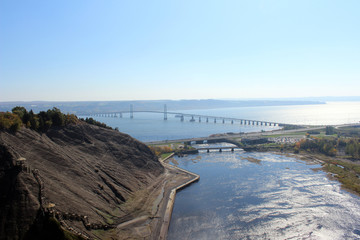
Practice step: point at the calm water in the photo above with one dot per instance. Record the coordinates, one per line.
(277, 197)
(150, 127)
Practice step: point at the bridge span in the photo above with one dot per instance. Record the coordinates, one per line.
(208, 149)
(192, 117)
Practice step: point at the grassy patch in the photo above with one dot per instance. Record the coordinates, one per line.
(165, 155)
(347, 175)
(293, 134)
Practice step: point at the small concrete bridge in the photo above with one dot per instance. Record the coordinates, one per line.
(208, 149)
(191, 116)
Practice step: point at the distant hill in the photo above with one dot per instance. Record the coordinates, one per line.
(172, 105)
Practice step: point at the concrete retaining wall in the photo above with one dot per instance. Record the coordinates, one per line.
(170, 204)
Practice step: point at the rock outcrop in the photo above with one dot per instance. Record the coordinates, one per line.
(79, 173)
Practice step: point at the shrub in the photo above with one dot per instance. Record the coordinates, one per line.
(10, 121)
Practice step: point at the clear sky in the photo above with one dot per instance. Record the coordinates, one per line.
(60, 50)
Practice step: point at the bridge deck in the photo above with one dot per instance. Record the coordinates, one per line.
(216, 148)
(193, 116)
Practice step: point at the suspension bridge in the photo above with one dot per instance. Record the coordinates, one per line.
(192, 117)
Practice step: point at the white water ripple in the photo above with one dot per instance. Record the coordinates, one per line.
(281, 198)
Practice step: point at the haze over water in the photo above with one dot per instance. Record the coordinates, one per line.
(150, 127)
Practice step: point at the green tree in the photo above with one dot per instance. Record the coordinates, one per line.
(57, 117)
(353, 148)
(34, 121)
(329, 130)
(20, 111)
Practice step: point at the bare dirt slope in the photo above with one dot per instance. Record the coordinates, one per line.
(83, 169)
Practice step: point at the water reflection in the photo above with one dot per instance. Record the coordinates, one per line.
(281, 198)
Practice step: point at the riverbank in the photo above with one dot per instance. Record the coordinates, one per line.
(283, 142)
(171, 197)
(153, 219)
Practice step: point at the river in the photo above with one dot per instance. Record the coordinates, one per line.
(244, 195)
(254, 195)
(151, 126)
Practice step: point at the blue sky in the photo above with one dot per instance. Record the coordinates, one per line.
(63, 50)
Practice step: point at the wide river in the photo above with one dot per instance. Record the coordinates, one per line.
(150, 127)
(244, 195)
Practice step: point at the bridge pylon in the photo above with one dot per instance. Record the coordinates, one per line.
(131, 111)
(165, 112)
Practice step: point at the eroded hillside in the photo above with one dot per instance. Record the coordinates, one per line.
(87, 176)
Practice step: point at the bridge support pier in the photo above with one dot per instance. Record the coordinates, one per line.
(208, 150)
(214, 120)
(165, 112)
(220, 150)
(232, 121)
(207, 120)
(131, 111)
(223, 120)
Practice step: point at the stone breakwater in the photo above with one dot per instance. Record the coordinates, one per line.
(171, 200)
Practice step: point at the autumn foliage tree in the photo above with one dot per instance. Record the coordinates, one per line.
(325, 146)
(10, 121)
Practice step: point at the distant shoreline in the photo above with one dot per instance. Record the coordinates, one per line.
(93, 107)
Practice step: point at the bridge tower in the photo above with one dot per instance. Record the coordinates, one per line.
(131, 111)
(165, 112)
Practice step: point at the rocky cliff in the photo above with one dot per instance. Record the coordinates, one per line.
(83, 176)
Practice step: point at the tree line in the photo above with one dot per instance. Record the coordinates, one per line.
(330, 147)
(42, 121)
